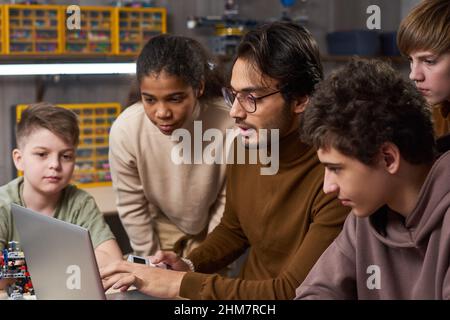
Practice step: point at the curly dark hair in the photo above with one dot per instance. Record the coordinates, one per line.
(365, 104)
(286, 52)
(182, 57)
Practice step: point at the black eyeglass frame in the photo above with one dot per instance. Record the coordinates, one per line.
(228, 93)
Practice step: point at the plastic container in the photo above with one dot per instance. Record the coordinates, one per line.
(389, 43)
(355, 42)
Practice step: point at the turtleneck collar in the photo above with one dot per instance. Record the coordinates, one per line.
(292, 148)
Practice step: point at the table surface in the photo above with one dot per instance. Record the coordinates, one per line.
(105, 199)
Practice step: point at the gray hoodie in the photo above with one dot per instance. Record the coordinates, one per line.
(385, 256)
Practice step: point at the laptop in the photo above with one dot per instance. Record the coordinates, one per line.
(61, 260)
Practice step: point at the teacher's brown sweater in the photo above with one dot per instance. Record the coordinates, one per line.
(285, 220)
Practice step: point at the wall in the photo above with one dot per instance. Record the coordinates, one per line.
(69, 89)
(324, 16)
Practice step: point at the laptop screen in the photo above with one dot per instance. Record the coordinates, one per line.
(59, 255)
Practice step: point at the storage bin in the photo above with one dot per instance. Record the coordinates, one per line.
(356, 42)
(389, 43)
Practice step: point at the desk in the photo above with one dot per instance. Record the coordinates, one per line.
(105, 199)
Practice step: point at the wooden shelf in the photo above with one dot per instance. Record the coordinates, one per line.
(99, 29)
(22, 28)
(47, 41)
(2, 28)
(135, 24)
(39, 23)
(76, 41)
(131, 41)
(95, 37)
(46, 28)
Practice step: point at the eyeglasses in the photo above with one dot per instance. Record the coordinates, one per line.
(245, 99)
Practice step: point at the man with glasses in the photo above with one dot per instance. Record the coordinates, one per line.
(248, 102)
(285, 221)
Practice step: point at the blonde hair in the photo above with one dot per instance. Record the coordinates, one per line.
(60, 121)
(426, 27)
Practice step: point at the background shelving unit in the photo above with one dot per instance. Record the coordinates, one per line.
(97, 34)
(40, 30)
(137, 25)
(2, 28)
(32, 29)
(95, 120)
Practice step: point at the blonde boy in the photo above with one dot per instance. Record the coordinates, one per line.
(47, 138)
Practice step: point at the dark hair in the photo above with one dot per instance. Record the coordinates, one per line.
(285, 52)
(365, 104)
(62, 122)
(182, 57)
(426, 27)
